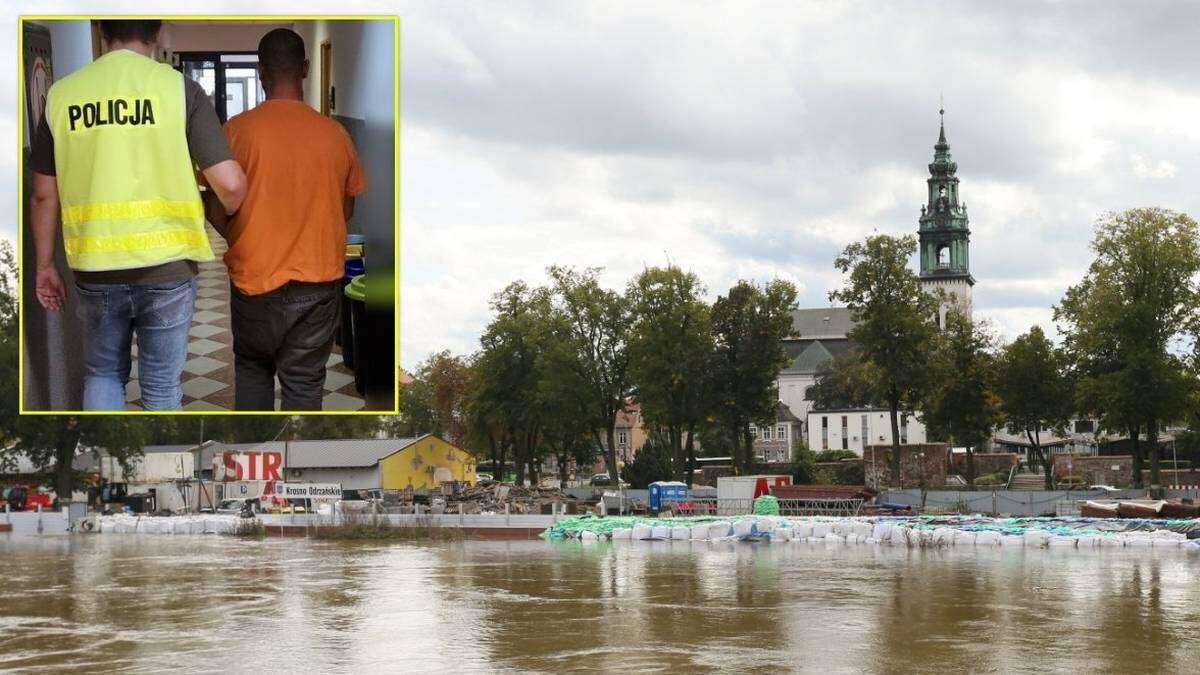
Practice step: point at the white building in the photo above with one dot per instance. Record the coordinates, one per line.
(853, 429)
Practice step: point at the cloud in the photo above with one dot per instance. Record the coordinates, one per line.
(755, 140)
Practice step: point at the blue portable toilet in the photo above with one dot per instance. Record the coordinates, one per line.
(666, 491)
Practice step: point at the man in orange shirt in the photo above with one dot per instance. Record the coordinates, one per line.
(287, 242)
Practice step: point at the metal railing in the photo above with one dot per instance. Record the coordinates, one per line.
(712, 506)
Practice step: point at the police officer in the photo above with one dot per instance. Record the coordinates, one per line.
(114, 153)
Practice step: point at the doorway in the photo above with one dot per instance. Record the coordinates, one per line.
(229, 78)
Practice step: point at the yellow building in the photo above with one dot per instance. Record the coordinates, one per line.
(366, 464)
(426, 462)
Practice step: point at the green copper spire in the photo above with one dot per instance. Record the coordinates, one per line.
(944, 231)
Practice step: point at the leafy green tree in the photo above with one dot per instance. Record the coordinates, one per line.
(670, 350)
(51, 442)
(654, 462)
(9, 337)
(415, 415)
(843, 382)
(961, 406)
(596, 321)
(894, 323)
(331, 427)
(748, 325)
(1128, 321)
(1034, 392)
(505, 400)
(436, 401)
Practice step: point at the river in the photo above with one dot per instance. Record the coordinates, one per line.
(147, 603)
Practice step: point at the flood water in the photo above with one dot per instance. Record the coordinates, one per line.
(147, 603)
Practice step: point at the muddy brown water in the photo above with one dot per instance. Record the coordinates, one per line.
(146, 603)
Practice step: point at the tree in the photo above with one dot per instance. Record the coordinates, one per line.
(596, 321)
(843, 382)
(324, 427)
(654, 462)
(670, 349)
(748, 325)
(894, 323)
(51, 443)
(505, 402)
(415, 415)
(1128, 321)
(436, 401)
(961, 406)
(1034, 392)
(9, 338)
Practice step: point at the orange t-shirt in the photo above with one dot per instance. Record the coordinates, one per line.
(299, 165)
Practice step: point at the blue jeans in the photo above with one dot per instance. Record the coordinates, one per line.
(160, 315)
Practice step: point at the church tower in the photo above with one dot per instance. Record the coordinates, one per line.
(944, 235)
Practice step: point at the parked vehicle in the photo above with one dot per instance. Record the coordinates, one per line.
(25, 498)
(484, 478)
(604, 480)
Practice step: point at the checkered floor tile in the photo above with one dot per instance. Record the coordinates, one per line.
(208, 372)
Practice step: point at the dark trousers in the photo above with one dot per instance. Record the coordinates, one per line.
(287, 332)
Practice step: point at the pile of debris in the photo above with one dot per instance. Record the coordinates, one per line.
(492, 498)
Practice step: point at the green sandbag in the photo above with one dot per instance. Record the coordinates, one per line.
(766, 505)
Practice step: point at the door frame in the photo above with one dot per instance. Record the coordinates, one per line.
(219, 78)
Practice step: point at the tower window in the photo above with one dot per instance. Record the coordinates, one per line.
(943, 256)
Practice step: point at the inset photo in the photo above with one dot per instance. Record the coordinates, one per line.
(209, 214)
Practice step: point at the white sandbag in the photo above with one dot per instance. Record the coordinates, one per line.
(719, 530)
(1061, 541)
(963, 538)
(1165, 542)
(1087, 541)
(782, 534)
(943, 536)
(802, 530)
(1111, 541)
(1036, 538)
(1135, 541)
(881, 532)
(841, 527)
(660, 532)
(832, 538)
(862, 529)
(641, 531)
(820, 530)
(681, 533)
(588, 535)
(987, 539)
(743, 528)
(1012, 540)
(899, 535)
(622, 533)
(699, 532)
(764, 525)
(853, 538)
(871, 541)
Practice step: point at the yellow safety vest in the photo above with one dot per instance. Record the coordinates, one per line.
(125, 179)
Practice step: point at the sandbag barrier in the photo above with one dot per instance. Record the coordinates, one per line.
(909, 531)
(198, 524)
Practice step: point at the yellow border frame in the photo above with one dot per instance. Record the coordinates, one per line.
(395, 20)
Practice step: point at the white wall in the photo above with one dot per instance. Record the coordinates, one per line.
(215, 36)
(879, 430)
(366, 478)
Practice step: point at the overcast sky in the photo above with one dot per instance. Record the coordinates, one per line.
(756, 140)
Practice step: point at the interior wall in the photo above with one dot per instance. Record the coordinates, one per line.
(53, 369)
(364, 65)
(215, 36)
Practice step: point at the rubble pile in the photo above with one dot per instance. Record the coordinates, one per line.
(492, 498)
